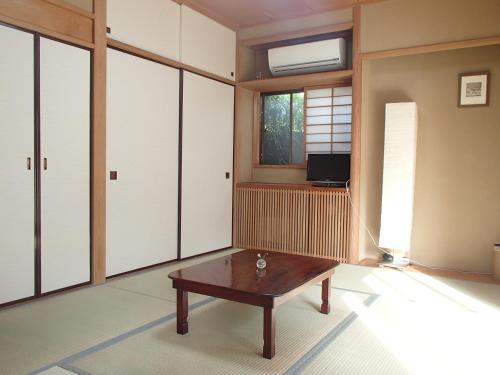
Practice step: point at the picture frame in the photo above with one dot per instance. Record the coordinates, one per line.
(474, 89)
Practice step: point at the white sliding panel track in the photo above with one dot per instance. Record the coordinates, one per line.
(65, 165)
(400, 154)
(207, 165)
(142, 159)
(17, 184)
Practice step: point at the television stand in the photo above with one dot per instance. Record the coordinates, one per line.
(328, 184)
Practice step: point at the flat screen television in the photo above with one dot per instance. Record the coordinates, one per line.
(329, 168)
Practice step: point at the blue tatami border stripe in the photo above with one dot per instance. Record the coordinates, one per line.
(296, 369)
(303, 362)
(123, 336)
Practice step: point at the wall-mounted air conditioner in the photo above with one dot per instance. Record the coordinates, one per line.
(308, 57)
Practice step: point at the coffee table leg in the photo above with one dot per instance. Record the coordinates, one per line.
(182, 312)
(325, 296)
(269, 332)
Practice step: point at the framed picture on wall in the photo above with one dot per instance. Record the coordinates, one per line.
(473, 89)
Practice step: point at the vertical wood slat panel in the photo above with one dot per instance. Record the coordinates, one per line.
(303, 221)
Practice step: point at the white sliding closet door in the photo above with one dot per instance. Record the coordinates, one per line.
(142, 147)
(17, 246)
(206, 44)
(65, 176)
(207, 165)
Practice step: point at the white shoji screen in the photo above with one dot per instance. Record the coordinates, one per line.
(328, 120)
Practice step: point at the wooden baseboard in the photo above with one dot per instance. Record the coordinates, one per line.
(369, 262)
(458, 275)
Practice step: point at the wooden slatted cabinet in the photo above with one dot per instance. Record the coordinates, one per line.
(298, 219)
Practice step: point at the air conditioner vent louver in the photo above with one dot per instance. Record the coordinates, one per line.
(308, 57)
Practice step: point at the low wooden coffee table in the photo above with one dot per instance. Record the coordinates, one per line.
(234, 277)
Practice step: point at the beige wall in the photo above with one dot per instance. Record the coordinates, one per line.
(404, 23)
(243, 135)
(246, 64)
(457, 192)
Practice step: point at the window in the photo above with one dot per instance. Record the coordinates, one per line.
(282, 128)
(328, 120)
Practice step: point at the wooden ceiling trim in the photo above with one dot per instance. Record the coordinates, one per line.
(430, 48)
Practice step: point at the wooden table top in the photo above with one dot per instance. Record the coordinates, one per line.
(238, 272)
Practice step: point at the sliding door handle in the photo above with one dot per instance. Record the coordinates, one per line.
(45, 164)
(28, 163)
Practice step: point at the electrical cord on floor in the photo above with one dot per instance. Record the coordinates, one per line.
(412, 261)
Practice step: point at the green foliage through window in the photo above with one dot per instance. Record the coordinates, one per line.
(282, 128)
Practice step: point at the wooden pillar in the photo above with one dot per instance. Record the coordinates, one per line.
(356, 136)
(236, 137)
(98, 218)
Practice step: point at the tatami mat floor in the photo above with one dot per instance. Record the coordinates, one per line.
(382, 322)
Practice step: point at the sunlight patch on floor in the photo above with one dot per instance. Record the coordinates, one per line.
(431, 327)
(452, 293)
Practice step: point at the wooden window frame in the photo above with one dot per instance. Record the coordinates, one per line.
(257, 133)
(330, 86)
